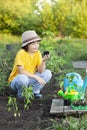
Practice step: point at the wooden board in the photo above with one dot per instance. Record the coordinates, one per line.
(57, 108)
(79, 64)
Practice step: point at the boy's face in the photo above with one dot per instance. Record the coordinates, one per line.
(33, 47)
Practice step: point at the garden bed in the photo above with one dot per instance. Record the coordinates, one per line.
(36, 118)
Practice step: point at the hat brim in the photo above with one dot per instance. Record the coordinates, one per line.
(34, 40)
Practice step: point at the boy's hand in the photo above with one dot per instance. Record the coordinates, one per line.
(46, 57)
(40, 80)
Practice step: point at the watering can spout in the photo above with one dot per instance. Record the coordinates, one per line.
(60, 93)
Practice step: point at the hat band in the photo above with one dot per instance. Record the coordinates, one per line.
(30, 39)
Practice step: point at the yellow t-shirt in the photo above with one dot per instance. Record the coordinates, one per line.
(30, 63)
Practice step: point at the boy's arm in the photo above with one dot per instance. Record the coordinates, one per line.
(22, 71)
(42, 67)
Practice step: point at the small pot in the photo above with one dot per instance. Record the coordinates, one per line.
(9, 47)
(67, 102)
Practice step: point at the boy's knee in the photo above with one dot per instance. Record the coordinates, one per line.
(22, 80)
(48, 74)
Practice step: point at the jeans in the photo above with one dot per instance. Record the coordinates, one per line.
(22, 80)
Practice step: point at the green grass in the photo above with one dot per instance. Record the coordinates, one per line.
(9, 39)
(72, 50)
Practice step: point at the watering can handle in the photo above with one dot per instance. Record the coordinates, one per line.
(86, 70)
(74, 74)
(84, 84)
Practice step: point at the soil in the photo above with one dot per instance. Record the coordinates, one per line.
(37, 117)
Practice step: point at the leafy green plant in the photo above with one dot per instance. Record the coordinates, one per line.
(56, 62)
(76, 123)
(12, 105)
(27, 93)
(12, 101)
(69, 123)
(56, 126)
(6, 59)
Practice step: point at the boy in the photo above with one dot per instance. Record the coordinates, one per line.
(29, 66)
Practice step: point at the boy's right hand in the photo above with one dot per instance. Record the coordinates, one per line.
(40, 80)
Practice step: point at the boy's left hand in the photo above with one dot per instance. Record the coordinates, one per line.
(46, 57)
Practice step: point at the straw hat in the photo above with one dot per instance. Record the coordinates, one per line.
(29, 37)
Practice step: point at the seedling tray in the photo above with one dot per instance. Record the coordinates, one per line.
(59, 109)
(79, 107)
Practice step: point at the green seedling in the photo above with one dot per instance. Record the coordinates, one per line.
(12, 105)
(27, 93)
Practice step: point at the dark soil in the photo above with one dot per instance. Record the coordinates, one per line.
(36, 118)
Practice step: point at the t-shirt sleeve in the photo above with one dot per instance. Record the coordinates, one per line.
(20, 58)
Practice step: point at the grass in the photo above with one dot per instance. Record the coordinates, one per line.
(9, 39)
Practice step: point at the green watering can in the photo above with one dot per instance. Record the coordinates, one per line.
(72, 95)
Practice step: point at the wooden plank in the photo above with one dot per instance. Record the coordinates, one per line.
(79, 64)
(57, 108)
